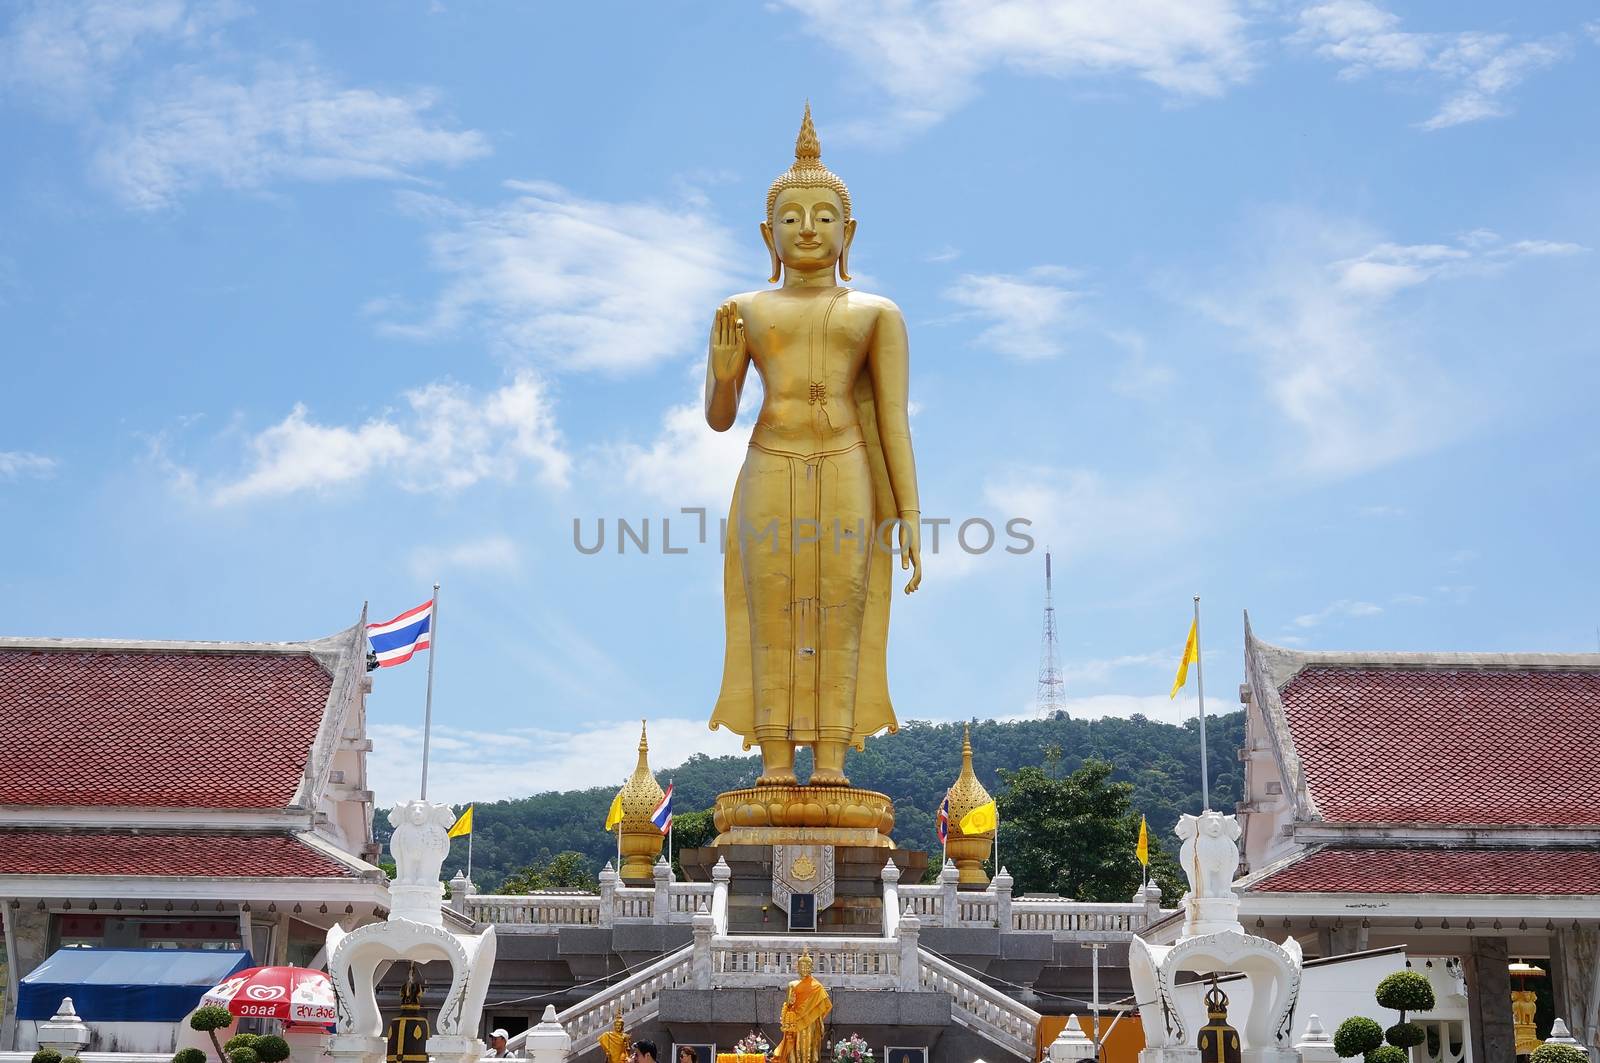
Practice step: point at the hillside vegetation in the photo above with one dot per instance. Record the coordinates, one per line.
(914, 767)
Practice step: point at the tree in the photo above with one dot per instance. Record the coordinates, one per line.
(208, 1020)
(692, 830)
(564, 871)
(1076, 836)
(1401, 991)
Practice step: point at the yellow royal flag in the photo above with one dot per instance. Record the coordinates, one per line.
(463, 824)
(614, 816)
(1142, 850)
(983, 818)
(1191, 652)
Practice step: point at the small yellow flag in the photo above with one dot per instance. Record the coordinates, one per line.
(614, 816)
(985, 817)
(1191, 652)
(1143, 848)
(463, 824)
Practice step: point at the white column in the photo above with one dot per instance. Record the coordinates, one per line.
(1315, 1046)
(891, 899)
(663, 876)
(700, 959)
(1001, 885)
(910, 927)
(948, 878)
(608, 895)
(1071, 1045)
(721, 876)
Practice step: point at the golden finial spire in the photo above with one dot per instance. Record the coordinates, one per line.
(966, 749)
(807, 148)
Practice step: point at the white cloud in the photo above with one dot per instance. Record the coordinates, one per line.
(580, 283)
(16, 464)
(1478, 68)
(687, 464)
(1342, 365)
(1154, 706)
(1027, 314)
(63, 54)
(466, 765)
(929, 55)
(1077, 512)
(289, 122)
(1343, 609)
(491, 553)
(1101, 670)
(449, 439)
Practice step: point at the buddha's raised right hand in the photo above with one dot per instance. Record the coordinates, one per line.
(728, 351)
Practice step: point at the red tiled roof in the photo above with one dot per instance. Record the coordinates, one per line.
(1516, 871)
(40, 852)
(172, 729)
(1496, 748)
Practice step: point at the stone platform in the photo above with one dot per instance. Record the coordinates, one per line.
(858, 886)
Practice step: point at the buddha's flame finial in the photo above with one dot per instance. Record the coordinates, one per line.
(807, 148)
(644, 747)
(966, 749)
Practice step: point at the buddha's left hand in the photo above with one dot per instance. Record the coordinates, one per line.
(911, 549)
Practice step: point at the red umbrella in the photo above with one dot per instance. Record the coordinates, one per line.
(293, 994)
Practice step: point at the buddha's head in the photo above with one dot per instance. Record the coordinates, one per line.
(808, 224)
(617, 1024)
(804, 964)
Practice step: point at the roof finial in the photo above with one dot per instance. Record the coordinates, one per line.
(966, 747)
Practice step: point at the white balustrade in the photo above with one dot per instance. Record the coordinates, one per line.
(1078, 918)
(848, 963)
(534, 913)
(637, 996)
(635, 904)
(981, 1007)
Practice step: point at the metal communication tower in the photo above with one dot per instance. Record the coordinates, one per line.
(1051, 696)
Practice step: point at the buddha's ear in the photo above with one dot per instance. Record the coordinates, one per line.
(844, 253)
(772, 250)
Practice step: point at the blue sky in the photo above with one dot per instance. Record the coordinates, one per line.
(1287, 305)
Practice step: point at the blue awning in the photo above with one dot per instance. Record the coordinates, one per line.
(126, 985)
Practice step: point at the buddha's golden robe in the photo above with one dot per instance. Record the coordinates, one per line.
(810, 661)
(615, 1044)
(805, 1011)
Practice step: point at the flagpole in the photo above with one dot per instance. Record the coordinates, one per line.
(1200, 689)
(671, 822)
(427, 713)
(470, 833)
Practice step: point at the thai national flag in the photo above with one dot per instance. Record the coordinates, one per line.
(944, 820)
(662, 816)
(394, 641)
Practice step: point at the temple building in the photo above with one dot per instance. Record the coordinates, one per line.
(1448, 802)
(165, 797)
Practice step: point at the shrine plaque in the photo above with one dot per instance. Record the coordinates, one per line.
(802, 911)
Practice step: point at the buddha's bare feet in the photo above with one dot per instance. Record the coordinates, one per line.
(778, 778)
(777, 764)
(828, 777)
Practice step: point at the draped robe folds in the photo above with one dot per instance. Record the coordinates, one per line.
(804, 1011)
(614, 1045)
(872, 711)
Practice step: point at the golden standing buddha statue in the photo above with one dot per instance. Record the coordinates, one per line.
(615, 1042)
(829, 472)
(805, 1014)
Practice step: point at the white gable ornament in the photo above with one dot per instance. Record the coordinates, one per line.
(1214, 942)
(414, 931)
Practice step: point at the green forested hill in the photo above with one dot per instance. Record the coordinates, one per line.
(914, 767)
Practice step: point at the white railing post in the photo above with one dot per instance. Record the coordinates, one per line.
(608, 895)
(700, 962)
(1315, 1046)
(891, 899)
(549, 1041)
(948, 877)
(1072, 1046)
(663, 875)
(1001, 885)
(721, 875)
(909, 928)
(460, 888)
(1152, 903)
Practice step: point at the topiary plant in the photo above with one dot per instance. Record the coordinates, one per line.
(1356, 1036)
(189, 1055)
(70, 1059)
(47, 1055)
(272, 1049)
(244, 1055)
(1401, 991)
(1559, 1053)
(240, 1040)
(208, 1020)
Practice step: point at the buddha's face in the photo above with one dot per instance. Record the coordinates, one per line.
(808, 228)
(804, 967)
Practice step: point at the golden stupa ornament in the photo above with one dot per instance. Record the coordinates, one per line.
(968, 850)
(641, 838)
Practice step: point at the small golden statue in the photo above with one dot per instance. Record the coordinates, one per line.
(829, 474)
(805, 1012)
(1218, 1042)
(409, 1030)
(615, 1043)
